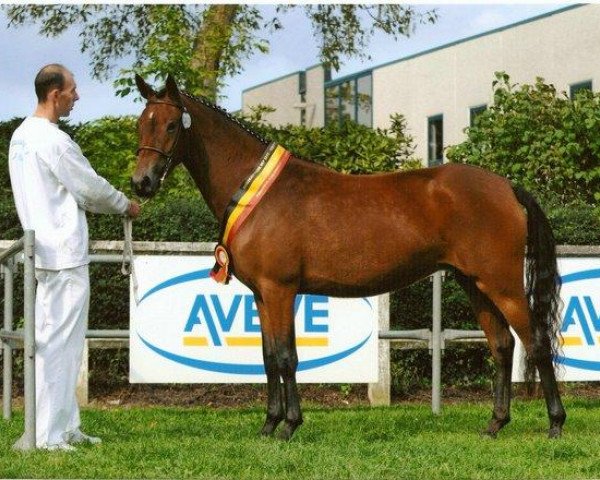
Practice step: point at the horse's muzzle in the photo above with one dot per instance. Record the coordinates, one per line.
(144, 187)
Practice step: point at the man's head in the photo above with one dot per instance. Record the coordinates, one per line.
(56, 89)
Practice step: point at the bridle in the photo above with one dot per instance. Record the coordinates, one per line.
(127, 267)
(184, 123)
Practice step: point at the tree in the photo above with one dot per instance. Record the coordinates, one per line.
(205, 43)
(539, 138)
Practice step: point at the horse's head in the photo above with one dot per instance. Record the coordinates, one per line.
(160, 128)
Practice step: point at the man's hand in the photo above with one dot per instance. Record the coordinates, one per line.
(134, 209)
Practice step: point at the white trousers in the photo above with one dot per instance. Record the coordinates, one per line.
(61, 313)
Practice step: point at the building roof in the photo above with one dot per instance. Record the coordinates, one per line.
(428, 51)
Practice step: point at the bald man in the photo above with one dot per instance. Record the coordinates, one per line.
(53, 186)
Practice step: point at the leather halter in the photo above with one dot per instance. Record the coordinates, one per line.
(167, 155)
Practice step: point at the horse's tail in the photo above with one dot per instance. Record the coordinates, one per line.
(542, 283)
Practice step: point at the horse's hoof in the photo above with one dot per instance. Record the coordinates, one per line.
(495, 425)
(489, 434)
(268, 428)
(266, 432)
(555, 432)
(287, 431)
(285, 434)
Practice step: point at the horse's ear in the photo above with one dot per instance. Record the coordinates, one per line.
(172, 89)
(145, 90)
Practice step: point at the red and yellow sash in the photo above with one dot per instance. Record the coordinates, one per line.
(243, 202)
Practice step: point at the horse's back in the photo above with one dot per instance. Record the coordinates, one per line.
(363, 234)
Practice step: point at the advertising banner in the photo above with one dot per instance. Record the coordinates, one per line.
(579, 358)
(189, 329)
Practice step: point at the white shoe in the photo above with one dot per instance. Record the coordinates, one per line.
(65, 447)
(77, 436)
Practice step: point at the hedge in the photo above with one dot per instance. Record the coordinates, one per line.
(538, 137)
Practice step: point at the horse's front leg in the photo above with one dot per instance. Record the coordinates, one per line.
(276, 310)
(275, 407)
(288, 364)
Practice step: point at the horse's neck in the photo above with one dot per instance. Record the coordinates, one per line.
(221, 156)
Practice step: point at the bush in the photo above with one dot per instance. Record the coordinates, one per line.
(346, 147)
(575, 223)
(544, 141)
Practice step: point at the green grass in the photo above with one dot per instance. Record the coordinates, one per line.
(403, 441)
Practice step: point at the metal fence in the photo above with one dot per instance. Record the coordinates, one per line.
(25, 337)
(435, 339)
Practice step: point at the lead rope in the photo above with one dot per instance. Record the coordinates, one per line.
(128, 267)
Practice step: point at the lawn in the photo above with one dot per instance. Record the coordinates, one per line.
(403, 441)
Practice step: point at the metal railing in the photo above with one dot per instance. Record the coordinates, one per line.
(379, 393)
(26, 337)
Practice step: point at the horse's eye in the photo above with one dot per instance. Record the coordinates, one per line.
(171, 127)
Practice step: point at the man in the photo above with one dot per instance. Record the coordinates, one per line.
(53, 186)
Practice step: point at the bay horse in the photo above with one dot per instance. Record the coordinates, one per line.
(317, 231)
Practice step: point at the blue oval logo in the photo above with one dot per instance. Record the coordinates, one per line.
(224, 317)
(581, 311)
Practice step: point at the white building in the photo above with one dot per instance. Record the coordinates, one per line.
(440, 90)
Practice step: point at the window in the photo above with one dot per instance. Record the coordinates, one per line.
(332, 100)
(350, 99)
(475, 112)
(302, 83)
(435, 135)
(578, 87)
(347, 94)
(364, 102)
(303, 109)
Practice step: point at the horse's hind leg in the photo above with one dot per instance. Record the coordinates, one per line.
(515, 309)
(541, 354)
(276, 310)
(501, 344)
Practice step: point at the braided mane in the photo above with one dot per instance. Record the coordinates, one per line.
(207, 103)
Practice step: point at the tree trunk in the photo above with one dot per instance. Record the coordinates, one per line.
(211, 42)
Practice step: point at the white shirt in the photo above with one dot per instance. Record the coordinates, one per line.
(53, 185)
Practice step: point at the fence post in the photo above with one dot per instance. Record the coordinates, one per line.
(379, 393)
(28, 440)
(436, 345)
(7, 273)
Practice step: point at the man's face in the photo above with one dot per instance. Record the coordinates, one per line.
(67, 96)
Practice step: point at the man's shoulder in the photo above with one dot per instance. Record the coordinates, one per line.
(41, 131)
(20, 130)
(44, 139)
(41, 124)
